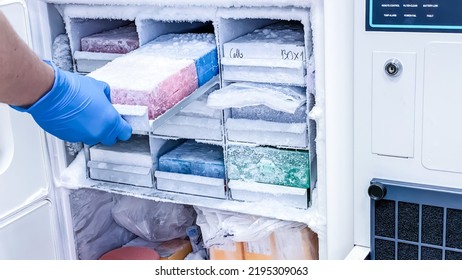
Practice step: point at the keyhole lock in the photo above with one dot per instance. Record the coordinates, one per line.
(393, 67)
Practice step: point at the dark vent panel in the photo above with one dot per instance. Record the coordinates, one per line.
(415, 222)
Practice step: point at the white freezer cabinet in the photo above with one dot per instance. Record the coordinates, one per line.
(239, 169)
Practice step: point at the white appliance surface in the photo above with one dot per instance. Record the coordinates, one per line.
(331, 23)
(26, 217)
(406, 127)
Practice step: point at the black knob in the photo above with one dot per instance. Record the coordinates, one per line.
(377, 192)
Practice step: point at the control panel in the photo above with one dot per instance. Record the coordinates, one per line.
(414, 15)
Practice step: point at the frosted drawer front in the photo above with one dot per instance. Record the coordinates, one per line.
(253, 192)
(195, 121)
(279, 41)
(126, 162)
(120, 173)
(191, 128)
(120, 40)
(272, 54)
(267, 133)
(194, 158)
(265, 113)
(134, 152)
(264, 71)
(269, 165)
(190, 184)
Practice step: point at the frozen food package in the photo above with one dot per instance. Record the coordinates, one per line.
(152, 220)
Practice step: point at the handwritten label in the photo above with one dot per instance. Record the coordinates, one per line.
(235, 53)
(291, 55)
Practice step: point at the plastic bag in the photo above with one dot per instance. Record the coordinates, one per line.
(217, 226)
(151, 220)
(257, 238)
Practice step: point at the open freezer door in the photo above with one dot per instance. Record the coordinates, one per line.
(26, 213)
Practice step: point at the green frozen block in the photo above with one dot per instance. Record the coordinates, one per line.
(269, 165)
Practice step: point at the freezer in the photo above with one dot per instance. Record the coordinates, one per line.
(241, 116)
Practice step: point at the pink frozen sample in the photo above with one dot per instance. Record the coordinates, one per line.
(159, 74)
(120, 40)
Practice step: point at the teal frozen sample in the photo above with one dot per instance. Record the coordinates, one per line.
(269, 165)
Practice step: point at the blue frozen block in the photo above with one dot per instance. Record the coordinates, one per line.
(262, 112)
(207, 67)
(195, 159)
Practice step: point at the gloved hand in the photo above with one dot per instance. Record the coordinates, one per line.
(78, 109)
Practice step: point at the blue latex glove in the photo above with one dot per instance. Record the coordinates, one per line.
(78, 109)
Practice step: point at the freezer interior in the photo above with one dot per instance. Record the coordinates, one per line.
(218, 161)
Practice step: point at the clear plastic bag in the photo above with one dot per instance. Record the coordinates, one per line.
(259, 237)
(151, 220)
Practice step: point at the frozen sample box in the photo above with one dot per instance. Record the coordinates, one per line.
(272, 54)
(128, 162)
(195, 159)
(193, 168)
(119, 40)
(161, 73)
(269, 165)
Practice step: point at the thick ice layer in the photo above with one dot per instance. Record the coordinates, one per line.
(265, 113)
(62, 52)
(194, 158)
(268, 165)
(156, 75)
(237, 95)
(120, 40)
(282, 41)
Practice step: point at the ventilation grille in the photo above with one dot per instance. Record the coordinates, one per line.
(413, 222)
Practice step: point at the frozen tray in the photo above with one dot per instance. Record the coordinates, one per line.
(161, 73)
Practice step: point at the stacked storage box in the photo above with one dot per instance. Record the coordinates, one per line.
(100, 48)
(263, 113)
(192, 168)
(267, 129)
(196, 121)
(276, 51)
(128, 162)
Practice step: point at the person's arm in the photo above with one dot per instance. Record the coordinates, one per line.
(24, 78)
(70, 106)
